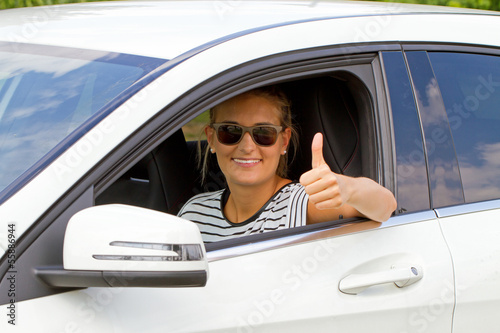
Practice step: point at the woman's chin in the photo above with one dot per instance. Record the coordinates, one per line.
(248, 179)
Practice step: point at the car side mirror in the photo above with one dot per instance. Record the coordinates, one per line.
(127, 246)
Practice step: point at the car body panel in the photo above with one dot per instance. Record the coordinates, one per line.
(475, 262)
(298, 290)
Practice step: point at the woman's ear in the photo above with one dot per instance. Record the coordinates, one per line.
(286, 134)
(209, 132)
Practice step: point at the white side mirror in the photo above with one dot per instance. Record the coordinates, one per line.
(119, 245)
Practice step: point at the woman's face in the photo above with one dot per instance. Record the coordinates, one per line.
(247, 163)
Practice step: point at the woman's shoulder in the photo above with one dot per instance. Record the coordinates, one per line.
(292, 186)
(207, 199)
(205, 196)
(286, 192)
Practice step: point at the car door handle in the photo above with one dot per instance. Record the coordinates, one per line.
(401, 276)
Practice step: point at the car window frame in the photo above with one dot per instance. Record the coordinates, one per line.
(268, 75)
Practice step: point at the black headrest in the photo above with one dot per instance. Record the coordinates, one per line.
(326, 105)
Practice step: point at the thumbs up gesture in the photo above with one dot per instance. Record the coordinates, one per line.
(325, 188)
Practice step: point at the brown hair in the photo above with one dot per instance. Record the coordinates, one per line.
(276, 96)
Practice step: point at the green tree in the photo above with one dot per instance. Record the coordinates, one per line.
(476, 4)
(4, 4)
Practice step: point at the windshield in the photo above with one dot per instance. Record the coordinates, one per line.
(46, 93)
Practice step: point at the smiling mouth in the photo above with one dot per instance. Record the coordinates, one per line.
(237, 160)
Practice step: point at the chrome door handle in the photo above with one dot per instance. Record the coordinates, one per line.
(401, 276)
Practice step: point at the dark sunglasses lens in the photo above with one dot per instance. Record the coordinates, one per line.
(229, 134)
(265, 136)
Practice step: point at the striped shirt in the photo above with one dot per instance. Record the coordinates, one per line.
(287, 208)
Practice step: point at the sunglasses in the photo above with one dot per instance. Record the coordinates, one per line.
(262, 135)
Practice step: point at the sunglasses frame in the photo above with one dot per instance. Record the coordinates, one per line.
(246, 129)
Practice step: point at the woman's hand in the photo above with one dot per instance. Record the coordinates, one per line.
(325, 188)
(332, 195)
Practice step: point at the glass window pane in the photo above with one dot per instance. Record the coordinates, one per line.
(45, 96)
(442, 165)
(470, 86)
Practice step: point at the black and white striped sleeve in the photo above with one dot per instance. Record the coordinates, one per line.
(297, 209)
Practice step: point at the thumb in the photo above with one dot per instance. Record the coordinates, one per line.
(317, 151)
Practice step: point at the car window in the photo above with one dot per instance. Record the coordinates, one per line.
(169, 174)
(470, 86)
(45, 94)
(442, 164)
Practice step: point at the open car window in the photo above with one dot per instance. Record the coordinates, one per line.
(338, 105)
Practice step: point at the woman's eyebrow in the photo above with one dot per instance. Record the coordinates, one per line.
(237, 123)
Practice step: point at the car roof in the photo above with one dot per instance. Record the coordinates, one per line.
(167, 29)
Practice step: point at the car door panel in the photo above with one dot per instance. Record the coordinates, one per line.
(472, 236)
(289, 289)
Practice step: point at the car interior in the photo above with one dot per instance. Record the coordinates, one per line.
(338, 105)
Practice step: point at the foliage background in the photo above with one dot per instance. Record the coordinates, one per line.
(4, 4)
(479, 4)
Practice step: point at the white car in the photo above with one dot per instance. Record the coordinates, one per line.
(95, 100)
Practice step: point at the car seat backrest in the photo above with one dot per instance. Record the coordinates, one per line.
(140, 186)
(325, 105)
(180, 175)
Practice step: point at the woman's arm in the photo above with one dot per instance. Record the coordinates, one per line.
(332, 195)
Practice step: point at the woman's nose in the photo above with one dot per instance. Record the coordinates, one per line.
(246, 143)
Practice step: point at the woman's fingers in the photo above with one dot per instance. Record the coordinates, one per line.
(317, 151)
(320, 182)
(324, 191)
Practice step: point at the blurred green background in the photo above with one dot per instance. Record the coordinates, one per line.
(480, 4)
(4, 4)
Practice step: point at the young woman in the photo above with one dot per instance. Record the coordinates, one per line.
(250, 135)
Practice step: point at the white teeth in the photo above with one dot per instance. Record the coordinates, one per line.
(245, 161)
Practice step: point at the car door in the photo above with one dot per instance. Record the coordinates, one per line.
(469, 82)
(346, 275)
